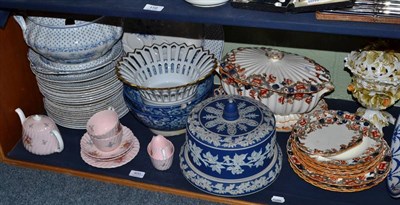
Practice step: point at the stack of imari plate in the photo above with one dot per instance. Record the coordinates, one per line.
(338, 151)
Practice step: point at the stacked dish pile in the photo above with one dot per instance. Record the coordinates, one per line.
(338, 151)
(73, 61)
(289, 84)
(230, 147)
(164, 82)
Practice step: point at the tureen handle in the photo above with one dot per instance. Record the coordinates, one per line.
(21, 21)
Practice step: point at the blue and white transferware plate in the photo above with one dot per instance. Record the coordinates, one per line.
(393, 179)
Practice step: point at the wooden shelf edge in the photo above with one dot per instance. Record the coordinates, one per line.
(125, 182)
(356, 18)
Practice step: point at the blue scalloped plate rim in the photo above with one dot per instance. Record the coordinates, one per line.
(393, 179)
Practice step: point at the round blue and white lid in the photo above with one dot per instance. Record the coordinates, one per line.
(230, 121)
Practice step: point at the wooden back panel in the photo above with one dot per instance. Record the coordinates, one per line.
(18, 87)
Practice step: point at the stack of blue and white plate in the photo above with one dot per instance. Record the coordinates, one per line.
(74, 63)
(230, 147)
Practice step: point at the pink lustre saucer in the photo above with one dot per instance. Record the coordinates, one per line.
(117, 161)
(91, 150)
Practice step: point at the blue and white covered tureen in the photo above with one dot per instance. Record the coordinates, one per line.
(230, 147)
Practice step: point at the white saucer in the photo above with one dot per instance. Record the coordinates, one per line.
(91, 150)
(118, 161)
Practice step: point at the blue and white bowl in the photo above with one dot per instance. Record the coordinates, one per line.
(167, 120)
(79, 42)
(133, 97)
(166, 125)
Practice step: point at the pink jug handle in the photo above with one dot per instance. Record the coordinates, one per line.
(60, 141)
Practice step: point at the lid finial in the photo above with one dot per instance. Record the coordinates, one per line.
(231, 111)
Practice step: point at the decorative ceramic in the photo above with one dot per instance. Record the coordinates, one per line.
(286, 123)
(161, 152)
(375, 83)
(166, 74)
(117, 161)
(99, 80)
(110, 143)
(88, 147)
(76, 116)
(134, 98)
(167, 120)
(364, 152)
(160, 148)
(231, 138)
(393, 179)
(350, 182)
(316, 133)
(231, 187)
(71, 97)
(289, 84)
(45, 66)
(40, 134)
(104, 124)
(225, 129)
(375, 65)
(338, 151)
(75, 77)
(79, 42)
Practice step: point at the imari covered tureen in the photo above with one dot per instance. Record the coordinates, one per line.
(230, 147)
(289, 84)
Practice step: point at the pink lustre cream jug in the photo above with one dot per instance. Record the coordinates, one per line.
(40, 134)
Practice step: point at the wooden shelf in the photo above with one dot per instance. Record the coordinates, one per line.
(19, 88)
(180, 10)
(288, 184)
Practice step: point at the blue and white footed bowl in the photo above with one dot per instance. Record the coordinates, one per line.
(393, 179)
(231, 139)
(133, 97)
(167, 120)
(59, 41)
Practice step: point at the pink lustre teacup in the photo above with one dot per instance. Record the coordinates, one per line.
(108, 144)
(104, 124)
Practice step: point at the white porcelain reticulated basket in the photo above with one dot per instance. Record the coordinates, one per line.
(166, 74)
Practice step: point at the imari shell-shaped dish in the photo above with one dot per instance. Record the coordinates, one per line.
(230, 143)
